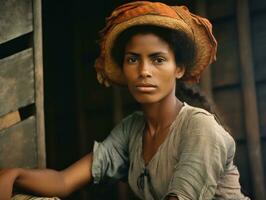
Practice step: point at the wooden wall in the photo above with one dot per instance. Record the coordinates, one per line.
(228, 80)
(21, 109)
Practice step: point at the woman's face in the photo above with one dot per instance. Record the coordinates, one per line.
(150, 69)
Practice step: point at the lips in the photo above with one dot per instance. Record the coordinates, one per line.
(145, 87)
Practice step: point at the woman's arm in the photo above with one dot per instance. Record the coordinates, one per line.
(7, 178)
(47, 182)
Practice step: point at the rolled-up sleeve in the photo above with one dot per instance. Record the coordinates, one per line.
(201, 161)
(110, 157)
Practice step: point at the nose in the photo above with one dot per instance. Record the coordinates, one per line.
(144, 70)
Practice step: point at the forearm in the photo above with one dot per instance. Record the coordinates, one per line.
(47, 182)
(7, 178)
(44, 182)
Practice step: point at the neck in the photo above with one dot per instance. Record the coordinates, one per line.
(160, 115)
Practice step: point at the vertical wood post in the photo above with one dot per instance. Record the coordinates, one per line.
(39, 94)
(206, 80)
(249, 98)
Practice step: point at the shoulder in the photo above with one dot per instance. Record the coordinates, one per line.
(122, 132)
(196, 111)
(205, 124)
(133, 119)
(197, 117)
(137, 115)
(129, 123)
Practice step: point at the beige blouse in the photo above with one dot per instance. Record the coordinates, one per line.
(194, 162)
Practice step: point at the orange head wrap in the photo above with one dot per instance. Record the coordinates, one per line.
(154, 13)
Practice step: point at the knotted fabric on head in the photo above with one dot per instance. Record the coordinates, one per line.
(136, 13)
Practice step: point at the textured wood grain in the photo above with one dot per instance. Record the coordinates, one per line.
(9, 120)
(250, 99)
(39, 93)
(16, 81)
(15, 18)
(18, 145)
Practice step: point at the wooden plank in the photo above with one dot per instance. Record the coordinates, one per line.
(258, 28)
(230, 108)
(225, 70)
(9, 120)
(220, 9)
(39, 94)
(249, 99)
(261, 90)
(18, 145)
(16, 81)
(15, 19)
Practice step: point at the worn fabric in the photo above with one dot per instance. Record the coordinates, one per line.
(195, 161)
(30, 197)
(178, 18)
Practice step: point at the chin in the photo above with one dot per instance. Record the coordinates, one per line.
(146, 99)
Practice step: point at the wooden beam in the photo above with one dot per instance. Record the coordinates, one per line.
(249, 98)
(39, 94)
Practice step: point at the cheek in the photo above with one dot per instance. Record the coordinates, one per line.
(129, 78)
(129, 72)
(168, 75)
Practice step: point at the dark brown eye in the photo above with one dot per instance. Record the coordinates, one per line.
(159, 60)
(131, 60)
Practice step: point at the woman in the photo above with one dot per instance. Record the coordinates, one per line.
(170, 150)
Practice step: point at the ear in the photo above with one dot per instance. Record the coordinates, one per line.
(179, 72)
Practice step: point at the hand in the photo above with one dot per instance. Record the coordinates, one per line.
(7, 179)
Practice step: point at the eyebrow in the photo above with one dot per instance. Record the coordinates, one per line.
(132, 53)
(150, 55)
